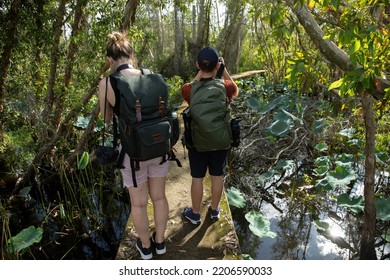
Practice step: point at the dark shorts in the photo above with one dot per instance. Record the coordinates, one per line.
(215, 161)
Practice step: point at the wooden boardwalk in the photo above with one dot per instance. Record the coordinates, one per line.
(210, 240)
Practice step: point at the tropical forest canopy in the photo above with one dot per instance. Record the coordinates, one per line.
(53, 56)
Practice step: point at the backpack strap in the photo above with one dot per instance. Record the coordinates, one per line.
(146, 71)
(134, 167)
(123, 67)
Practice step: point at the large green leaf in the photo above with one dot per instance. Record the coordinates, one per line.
(322, 161)
(24, 239)
(324, 184)
(341, 176)
(322, 225)
(321, 170)
(383, 209)
(355, 204)
(300, 121)
(259, 225)
(321, 147)
(345, 159)
(254, 103)
(235, 197)
(83, 162)
(280, 128)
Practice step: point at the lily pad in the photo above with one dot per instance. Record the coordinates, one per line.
(24, 239)
(321, 224)
(259, 225)
(345, 159)
(383, 209)
(280, 128)
(341, 176)
(355, 204)
(348, 132)
(235, 197)
(321, 147)
(324, 184)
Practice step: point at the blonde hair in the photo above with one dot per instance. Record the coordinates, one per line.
(119, 46)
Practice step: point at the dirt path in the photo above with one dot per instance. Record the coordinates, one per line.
(184, 241)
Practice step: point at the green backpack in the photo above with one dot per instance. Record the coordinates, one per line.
(147, 127)
(210, 116)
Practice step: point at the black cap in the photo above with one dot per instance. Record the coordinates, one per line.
(207, 58)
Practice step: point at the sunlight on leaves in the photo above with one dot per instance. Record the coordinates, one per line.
(83, 162)
(321, 170)
(322, 161)
(24, 239)
(336, 84)
(341, 176)
(345, 159)
(259, 225)
(348, 132)
(321, 147)
(235, 197)
(355, 204)
(280, 128)
(293, 117)
(324, 184)
(383, 209)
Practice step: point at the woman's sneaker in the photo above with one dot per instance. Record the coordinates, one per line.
(160, 248)
(146, 253)
(189, 215)
(214, 214)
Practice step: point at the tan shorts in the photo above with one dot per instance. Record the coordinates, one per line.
(150, 168)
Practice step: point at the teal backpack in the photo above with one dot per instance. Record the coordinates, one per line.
(147, 127)
(210, 116)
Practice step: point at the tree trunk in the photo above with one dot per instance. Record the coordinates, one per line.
(179, 42)
(72, 50)
(341, 59)
(50, 95)
(9, 45)
(367, 246)
(231, 37)
(129, 16)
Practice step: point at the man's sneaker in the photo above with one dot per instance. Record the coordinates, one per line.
(146, 253)
(214, 214)
(159, 247)
(189, 215)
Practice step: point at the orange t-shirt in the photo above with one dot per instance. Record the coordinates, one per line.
(231, 90)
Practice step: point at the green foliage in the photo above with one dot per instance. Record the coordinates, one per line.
(24, 239)
(235, 197)
(83, 162)
(383, 209)
(259, 225)
(355, 204)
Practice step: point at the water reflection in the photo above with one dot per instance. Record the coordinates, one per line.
(297, 237)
